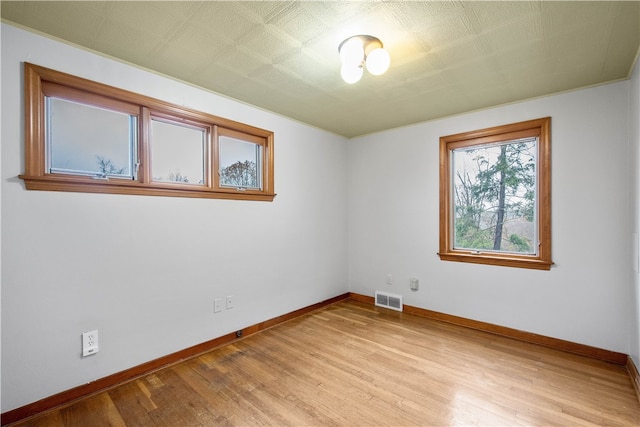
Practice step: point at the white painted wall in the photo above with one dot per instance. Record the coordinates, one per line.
(393, 222)
(634, 159)
(144, 271)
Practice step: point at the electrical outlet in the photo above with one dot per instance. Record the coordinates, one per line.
(389, 279)
(229, 302)
(89, 343)
(217, 305)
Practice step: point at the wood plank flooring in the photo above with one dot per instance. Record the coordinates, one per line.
(352, 364)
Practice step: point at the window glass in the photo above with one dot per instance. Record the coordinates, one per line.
(240, 163)
(88, 140)
(80, 134)
(177, 152)
(495, 197)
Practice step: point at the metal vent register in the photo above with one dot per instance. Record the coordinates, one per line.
(394, 302)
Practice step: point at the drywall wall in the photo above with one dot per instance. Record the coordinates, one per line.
(394, 222)
(144, 271)
(634, 160)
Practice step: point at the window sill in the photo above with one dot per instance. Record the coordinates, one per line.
(119, 186)
(501, 260)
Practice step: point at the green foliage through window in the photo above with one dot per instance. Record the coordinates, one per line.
(495, 195)
(494, 191)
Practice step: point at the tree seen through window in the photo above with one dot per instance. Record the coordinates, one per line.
(494, 195)
(240, 174)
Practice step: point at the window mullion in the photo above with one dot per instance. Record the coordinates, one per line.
(215, 158)
(144, 155)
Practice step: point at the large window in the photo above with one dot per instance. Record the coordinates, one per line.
(495, 192)
(88, 137)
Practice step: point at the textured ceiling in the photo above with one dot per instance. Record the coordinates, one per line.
(446, 57)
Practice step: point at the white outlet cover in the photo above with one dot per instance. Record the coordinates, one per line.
(89, 343)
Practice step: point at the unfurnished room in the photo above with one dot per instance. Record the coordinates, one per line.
(310, 213)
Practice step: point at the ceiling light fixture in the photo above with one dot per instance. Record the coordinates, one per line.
(358, 51)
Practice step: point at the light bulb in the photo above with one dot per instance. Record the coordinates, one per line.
(352, 52)
(378, 61)
(351, 73)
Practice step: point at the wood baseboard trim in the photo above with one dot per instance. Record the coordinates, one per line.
(633, 374)
(555, 343)
(102, 384)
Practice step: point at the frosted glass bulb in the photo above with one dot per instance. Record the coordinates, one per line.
(352, 52)
(351, 74)
(378, 61)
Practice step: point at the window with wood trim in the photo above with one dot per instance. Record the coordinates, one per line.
(84, 136)
(495, 195)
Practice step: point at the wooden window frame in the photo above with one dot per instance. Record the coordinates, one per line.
(36, 177)
(540, 128)
(241, 136)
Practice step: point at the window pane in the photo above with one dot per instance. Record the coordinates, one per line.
(177, 153)
(89, 140)
(240, 163)
(494, 189)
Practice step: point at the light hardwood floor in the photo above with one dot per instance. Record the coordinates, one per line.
(352, 364)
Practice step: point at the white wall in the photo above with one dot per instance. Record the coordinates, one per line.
(634, 159)
(144, 271)
(394, 228)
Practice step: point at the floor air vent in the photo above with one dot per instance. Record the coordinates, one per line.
(394, 302)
